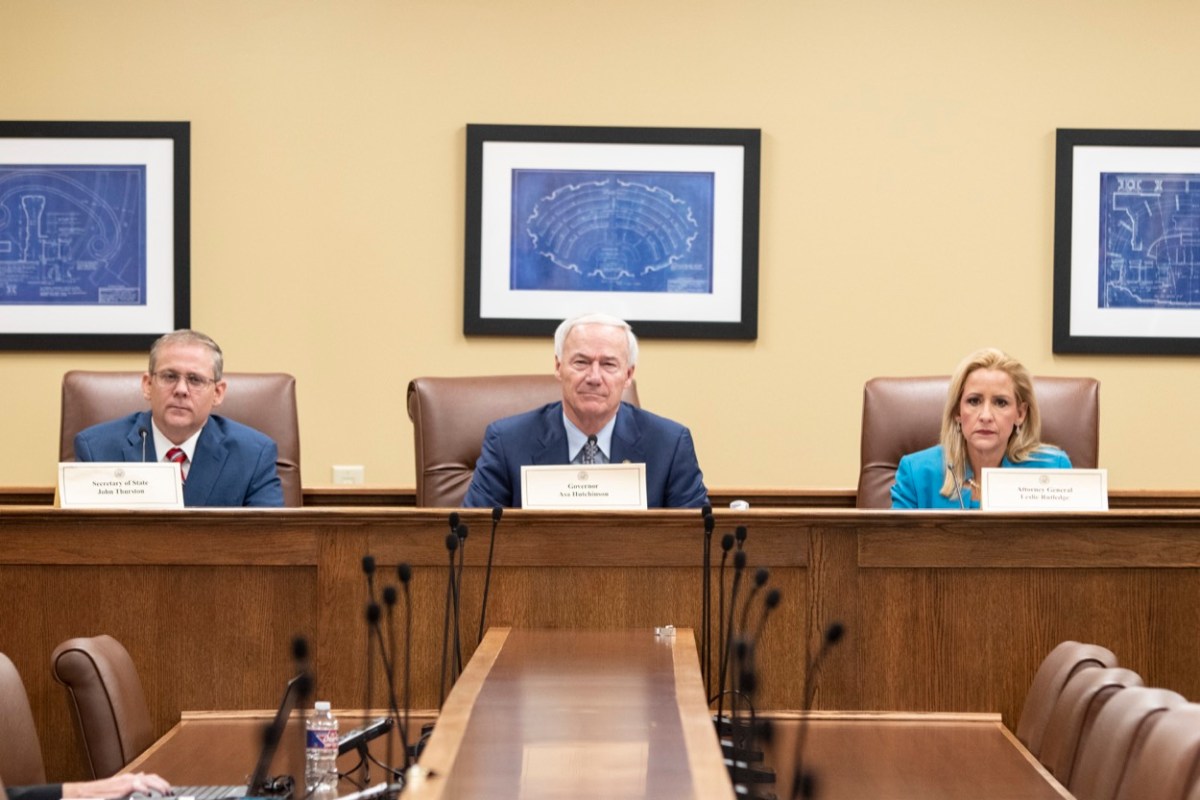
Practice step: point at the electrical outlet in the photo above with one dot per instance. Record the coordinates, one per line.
(348, 475)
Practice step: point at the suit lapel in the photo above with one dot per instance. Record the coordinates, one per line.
(551, 446)
(133, 441)
(207, 463)
(627, 438)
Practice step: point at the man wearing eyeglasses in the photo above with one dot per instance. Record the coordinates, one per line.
(224, 463)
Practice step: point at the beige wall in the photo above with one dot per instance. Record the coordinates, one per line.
(907, 196)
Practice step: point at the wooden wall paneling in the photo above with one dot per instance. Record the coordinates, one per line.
(944, 611)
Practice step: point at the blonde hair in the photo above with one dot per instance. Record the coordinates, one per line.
(1025, 438)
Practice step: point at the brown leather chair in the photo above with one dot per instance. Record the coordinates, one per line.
(904, 415)
(1118, 734)
(449, 417)
(266, 401)
(109, 702)
(1074, 715)
(1167, 766)
(1058, 667)
(20, 751)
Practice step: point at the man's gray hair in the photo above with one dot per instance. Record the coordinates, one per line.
(186, 336)
(591, 318)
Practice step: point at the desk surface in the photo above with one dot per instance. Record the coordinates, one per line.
(590, 715)
(920, 756)
(221, 747)
(576, 714)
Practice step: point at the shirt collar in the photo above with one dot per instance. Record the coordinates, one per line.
(162, 444)
(576, 439)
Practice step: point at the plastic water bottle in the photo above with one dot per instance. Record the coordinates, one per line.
(320, 763)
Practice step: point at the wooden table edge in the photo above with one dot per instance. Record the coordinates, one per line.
(705, 759)
(439, 755)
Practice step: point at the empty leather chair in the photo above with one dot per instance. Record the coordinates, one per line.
(1118, 732)
(904, 415)
(20, 751)
(107, 697)
(1058, 667)
(450, 416)
(1075, 712)
(266, 401)
(1168, 763)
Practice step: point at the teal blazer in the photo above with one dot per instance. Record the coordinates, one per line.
(920, 476)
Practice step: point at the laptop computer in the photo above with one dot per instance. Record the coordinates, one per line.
(279, 787)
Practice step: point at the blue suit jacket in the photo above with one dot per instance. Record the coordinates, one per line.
(920, 475)
(673, 478)
(234, 465)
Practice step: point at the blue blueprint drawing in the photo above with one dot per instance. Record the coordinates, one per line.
(72, 235)
(599, 231)
(1149, 240)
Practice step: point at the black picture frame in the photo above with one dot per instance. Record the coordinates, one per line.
(729, 310)
(64, 251)
(1115, 255)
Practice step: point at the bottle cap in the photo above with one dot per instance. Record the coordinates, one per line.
(322, 705)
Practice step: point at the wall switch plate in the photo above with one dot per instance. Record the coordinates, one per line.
(348, 475)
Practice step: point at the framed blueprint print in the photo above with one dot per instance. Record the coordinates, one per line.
(1127, 242)
(658, 226)
(94, 235)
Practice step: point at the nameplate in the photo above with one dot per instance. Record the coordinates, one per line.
(119, 484)
(594, 487)
(1044, 490)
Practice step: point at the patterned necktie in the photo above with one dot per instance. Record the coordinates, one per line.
(179, 457)
(590, 450)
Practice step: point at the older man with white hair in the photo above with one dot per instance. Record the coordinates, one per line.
(594, 359)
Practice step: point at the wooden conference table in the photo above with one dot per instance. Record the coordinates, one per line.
(584, 714)
(945, 611)
(577, 714)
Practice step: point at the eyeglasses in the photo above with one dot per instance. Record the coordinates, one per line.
(169, 378)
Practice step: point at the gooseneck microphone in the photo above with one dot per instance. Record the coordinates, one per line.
(404, 572)
(142, 432)
(739, 566)
(497, 512)
(957, 487)
(374, 628)
(294, 695)
(369, 571)
(761, 576)
(389, 603)
(726, 546)
(451, 593)
(770, 602)
(368, 568)
(462, 548)
(805, 779)
(706, 599)
(740, 533)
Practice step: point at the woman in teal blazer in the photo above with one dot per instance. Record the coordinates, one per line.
(991, 419)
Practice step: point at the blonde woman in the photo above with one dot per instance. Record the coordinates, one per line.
(991, 419)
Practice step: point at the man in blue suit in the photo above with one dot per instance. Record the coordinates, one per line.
(224, 463)
(594, 359)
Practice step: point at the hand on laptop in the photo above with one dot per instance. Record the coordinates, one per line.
(118, 786)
